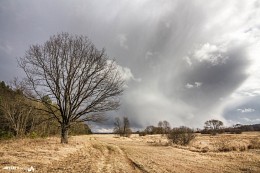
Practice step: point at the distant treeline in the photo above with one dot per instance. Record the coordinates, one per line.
(236, 129)
(21, 117)
(211, 127)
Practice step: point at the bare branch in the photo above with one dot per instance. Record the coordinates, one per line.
(79, 79)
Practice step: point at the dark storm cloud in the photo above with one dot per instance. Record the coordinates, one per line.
(182, 59)
(246, 112)
(183, 104)
(218, 80)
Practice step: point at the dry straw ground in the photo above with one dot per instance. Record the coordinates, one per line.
(107, 153)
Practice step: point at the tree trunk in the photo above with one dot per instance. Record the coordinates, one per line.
(16, 133)
(64, 134)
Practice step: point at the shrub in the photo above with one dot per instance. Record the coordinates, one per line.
(5, 135)
(142, 133)
(181, 136)
(213, 132)
(33, 135)
(223, 145)
(236, 131)
(205, 149)
(127, 133)
(254, 144)
(80, 129)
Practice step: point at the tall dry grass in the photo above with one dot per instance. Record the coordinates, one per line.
(227, 142)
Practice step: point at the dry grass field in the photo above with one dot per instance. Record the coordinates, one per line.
(107, 154)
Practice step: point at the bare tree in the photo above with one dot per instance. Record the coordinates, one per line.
(16, 114)
(150, 130)
(122, 128)
(213, 125)
(166, 127)
(80, 79)
(18, 111)
(117, 126)
(160, 127)
(126, 127)
(181, 136)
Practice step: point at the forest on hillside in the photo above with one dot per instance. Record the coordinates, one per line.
(22, 117)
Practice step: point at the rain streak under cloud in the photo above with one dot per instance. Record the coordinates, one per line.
(184, 61)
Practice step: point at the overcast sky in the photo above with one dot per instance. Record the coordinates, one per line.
(185, 61)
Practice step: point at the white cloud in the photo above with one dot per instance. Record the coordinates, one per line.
(210, 53)
(189, 86)
(250, 120)
(198, 84)
(251, 86)
(232, 122)
(195, 85)
(246, 110)
(103, 130)
(122, 40)
(126, 74)
(187, 60)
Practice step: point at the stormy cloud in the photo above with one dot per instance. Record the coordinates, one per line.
(184, 61)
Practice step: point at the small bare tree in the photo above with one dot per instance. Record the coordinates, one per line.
(160, 127)
(80, 79)
(17, 110)
(122, 129)
(118, 127)
(213, 126)
(17, 113)
(126, 127)
(181, 136)
(166, 127)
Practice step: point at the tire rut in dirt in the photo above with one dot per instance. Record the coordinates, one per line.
(98, 157)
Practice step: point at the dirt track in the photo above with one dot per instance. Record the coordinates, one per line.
(107, 154)
(96, 156)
